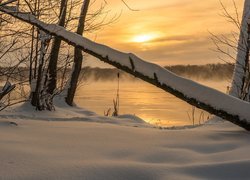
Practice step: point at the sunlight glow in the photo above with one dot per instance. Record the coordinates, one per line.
(143, 38)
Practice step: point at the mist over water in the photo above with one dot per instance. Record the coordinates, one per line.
(144, 100)
(99, 87)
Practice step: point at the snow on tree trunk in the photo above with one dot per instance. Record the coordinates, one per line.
(200, 96)
(38, 97)
(239, 81)
(78, 57)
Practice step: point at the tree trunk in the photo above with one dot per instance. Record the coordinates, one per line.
(227, 107)
(242, 59)
(52, 67)
(37, 94)
(78, 57)
(33, 70)
(31, 55)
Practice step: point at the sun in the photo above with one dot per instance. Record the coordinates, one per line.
(143, 38)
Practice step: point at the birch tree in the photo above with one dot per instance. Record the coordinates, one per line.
(241, 80)
(67, 19)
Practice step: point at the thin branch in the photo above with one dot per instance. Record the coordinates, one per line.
(131, 9)
(7, 2)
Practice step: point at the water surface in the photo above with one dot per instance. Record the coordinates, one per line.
(144, 100)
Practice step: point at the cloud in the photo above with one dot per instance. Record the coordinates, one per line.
(183, 27)
(173, 38)
(187, 52)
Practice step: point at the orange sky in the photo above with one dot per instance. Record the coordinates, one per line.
(166, 32)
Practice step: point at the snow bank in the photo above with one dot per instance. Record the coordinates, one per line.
(64, 112)
(82, 150)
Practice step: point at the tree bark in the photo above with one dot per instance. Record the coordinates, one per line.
(78, 57)
(37, 94)
(242, 59)
(53, 60)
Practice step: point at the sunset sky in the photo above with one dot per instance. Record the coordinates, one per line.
(166, 32)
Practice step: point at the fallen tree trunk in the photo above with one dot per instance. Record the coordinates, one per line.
(208, 99)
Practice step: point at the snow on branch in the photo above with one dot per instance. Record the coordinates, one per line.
(208, 99)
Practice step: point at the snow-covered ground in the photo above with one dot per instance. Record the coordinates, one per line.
(73, 143)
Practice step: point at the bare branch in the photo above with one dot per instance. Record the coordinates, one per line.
(131, 9)
(7, 2)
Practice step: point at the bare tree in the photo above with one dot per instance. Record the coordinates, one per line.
(241, 71)
(53, 60)
(40, 98)
(236, 50)
(78, 57)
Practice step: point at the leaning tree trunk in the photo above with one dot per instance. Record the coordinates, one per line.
(227, 107)
(241, 70)
(78, 57)
(52, 67)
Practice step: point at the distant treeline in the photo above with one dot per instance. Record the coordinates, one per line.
(209, 71)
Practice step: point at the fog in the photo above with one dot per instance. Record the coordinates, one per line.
(144, 100)
(209, 72)
(98, 88)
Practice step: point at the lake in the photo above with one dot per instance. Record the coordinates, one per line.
(143, 100)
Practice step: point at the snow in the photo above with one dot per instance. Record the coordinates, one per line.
(60, 145)
(64, 112)
(74, 143)
(190, 89)
(239, 71)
